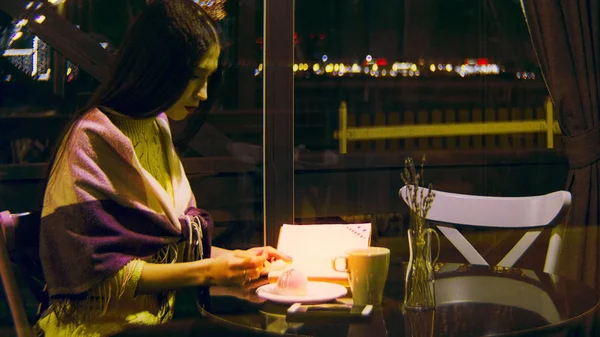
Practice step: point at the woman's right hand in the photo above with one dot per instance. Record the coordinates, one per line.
(236, 268)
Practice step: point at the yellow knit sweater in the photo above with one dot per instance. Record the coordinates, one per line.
(113, 305)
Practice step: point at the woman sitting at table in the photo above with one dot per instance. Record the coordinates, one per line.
(120, 231)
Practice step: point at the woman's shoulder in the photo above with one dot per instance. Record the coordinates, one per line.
(94, 121)
(95, 124)
(94, 131)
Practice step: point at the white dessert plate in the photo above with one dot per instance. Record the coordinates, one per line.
(316, 292)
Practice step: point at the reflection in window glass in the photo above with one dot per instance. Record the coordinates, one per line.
(378, 81)
(220, 145)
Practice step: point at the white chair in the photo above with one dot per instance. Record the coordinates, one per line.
(8, 226)
(532, 213)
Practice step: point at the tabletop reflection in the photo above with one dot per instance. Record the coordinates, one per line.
(470, 301)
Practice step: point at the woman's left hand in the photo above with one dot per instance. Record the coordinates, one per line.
(270, 254)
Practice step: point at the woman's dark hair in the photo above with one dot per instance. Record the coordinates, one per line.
(155, 62)
(157, 58)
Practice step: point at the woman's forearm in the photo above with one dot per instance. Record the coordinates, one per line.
(216, 251)
(165, 277)
(224, 267)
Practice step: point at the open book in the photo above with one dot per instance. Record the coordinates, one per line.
(313, 247)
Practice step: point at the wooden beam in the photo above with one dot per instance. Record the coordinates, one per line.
(310, 163)
(278, 122)
(61, 35)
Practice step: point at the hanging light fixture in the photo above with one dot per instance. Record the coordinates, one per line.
(56, 2)
(214, 8)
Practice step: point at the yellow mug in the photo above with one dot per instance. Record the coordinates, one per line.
(367, 270)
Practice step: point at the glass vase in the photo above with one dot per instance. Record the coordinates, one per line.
(419, 323)
(419, 292)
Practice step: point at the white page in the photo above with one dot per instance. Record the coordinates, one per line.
(319, 241)
(314, 246)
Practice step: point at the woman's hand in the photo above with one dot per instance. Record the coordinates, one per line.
(237, 268)
(271, 254)
(229, 268)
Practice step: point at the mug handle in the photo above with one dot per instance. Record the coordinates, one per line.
(334, 260)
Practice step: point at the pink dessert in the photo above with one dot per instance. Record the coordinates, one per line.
(292, 282)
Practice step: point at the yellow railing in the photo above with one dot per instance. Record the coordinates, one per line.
(346, 134)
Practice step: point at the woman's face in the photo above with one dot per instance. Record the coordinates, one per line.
(196, 90)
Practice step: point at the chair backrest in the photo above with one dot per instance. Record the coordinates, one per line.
(11, 239)
(532, 213)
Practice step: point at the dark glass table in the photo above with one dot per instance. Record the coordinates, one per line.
(470, 301)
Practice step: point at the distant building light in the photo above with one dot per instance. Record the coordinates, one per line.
(469, 69)
(483, 61)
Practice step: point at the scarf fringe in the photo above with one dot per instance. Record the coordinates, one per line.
(96, 301)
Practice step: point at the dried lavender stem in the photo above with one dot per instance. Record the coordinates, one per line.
(420, 290)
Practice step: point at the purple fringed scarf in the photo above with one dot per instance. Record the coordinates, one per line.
(102, 209)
